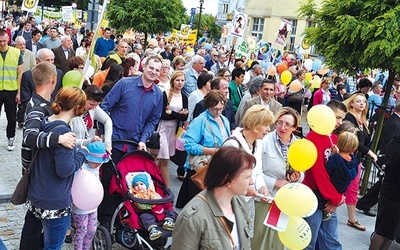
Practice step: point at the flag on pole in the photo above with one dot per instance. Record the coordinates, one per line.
(276, 219)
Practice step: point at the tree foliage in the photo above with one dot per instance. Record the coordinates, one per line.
(148, 16)
(356, 34)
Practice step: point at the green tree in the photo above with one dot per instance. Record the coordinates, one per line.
(207, 21)
(356, 34)
(147, 16)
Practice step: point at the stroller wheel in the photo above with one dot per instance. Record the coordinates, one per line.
(102, 239)
(127, 237)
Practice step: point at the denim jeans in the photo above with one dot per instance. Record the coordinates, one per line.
(55, 231)
(31, 233)
(325, 231)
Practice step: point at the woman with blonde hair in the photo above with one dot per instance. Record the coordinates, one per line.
(49, 190)
(357, 107)
(175, 110)
(255, 124)
(277, 173)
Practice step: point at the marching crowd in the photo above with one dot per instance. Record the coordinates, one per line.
(231, 110)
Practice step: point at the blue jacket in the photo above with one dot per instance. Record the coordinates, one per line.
(53, 171)
(134, 110)
(199, 135)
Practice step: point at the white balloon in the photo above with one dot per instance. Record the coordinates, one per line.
(308, 64)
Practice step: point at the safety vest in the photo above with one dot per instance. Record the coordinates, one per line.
(116, 57)
(9, 70)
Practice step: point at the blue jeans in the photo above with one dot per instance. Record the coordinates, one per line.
(325, 231)
(55, 231)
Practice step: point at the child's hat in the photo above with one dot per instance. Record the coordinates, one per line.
(141, 177)
(97, 152)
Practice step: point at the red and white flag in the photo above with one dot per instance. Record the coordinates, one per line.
(276, 219)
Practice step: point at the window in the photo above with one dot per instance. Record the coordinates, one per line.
(225, 8)
(257, 28)
(292, 38)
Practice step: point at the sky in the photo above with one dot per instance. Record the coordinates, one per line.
(209, 6)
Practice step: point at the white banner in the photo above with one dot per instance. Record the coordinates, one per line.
(30, 5)
(239, 24)
(67, 13)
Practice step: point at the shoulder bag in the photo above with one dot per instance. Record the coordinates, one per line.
(21, 190)
(200, 175)
(297, 96)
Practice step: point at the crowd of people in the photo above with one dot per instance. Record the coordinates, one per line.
(233, 112)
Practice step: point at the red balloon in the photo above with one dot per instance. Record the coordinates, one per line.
(282, 67)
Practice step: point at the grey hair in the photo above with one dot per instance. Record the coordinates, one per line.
(256, 66)
(40, 53)
(255, 84)
(19, 38)
(197, 58)
(64, 37)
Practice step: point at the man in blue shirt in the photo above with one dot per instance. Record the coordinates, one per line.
(135, 106)
(192, 74)
(104, 44)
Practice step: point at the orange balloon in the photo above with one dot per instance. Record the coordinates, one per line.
(271, 70)
(295, 85)
(282, 67)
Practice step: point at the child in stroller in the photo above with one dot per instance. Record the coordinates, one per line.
(149, 214)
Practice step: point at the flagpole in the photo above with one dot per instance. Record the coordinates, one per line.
(91, 51)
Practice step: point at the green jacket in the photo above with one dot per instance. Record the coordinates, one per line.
(198, 225)
(234, 95)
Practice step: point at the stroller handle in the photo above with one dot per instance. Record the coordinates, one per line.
(167, 191)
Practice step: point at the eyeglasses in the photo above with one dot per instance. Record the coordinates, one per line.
(280, 124)
(217, 109)
(81, 67)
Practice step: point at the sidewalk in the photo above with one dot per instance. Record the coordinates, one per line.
(12, 217)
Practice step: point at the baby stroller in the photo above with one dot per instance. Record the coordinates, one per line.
(125, 227)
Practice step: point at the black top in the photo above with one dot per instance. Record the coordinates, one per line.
(391, 183)
(362, 134)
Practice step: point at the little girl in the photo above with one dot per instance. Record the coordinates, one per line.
(150, 213)
(86, 220)
(342, 167)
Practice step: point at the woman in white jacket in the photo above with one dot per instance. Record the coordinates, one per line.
(83, 126)
(255, 123)
(277, 173)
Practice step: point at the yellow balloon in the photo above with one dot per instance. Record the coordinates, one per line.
(295, 199)
(308, 76)
(297, 234)
(316, 82)
(321, 119)
(286, 77)
(302, 155)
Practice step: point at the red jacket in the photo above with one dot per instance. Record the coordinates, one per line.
(317, 177)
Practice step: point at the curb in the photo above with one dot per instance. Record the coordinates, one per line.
(5, 198)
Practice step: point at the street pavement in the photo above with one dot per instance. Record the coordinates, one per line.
(12, 217)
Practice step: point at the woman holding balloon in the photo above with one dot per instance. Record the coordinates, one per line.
(357, 107)
(277, 173)
(49, 190)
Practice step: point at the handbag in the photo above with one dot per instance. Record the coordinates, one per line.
(297, 96)
(154, 141)
(20, 193)
(199, 161)
(199, 176)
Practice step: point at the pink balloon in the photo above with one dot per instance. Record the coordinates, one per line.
(87, 191)
(271, 70)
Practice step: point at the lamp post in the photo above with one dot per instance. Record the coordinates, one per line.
(201, 9)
